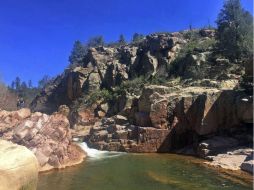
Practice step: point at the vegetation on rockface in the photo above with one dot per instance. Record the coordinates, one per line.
(233, 41)
(131, 87)
(196, 50)
(235, 30)
(102, 95)
(137, 38)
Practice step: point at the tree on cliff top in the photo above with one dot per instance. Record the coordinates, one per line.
(77, 54)
(122, 40)
(235, 30)
(137, 37)
(96, 41)
(44, 81)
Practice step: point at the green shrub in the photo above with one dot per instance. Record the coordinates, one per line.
(99, 95)
(131, 86)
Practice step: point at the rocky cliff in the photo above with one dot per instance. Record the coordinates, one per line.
(154, 57)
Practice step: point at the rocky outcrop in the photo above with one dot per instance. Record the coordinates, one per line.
(48, 137)
(106, 67)
(18, 167)
(203, 110)
(170, 118)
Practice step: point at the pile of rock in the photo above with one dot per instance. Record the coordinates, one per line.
(48, 137)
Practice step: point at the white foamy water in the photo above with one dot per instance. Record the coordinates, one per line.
(98, 154)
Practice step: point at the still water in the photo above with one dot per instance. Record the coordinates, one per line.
(112, 171)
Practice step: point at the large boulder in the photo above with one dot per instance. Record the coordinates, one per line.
(18, 167)
(48, 137)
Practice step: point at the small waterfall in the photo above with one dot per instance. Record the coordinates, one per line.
(98, 154)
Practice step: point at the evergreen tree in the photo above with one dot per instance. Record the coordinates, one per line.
(78, 53)
(235, 30)
(137, 37)
(44, 81)
(17, 83)
(12, 85)
(30, 85)
(121, 40)
(96, 41)
(23, 86)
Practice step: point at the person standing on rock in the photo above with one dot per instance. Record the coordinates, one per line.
(20, 103)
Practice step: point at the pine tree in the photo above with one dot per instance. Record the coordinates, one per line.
(235, 30)
(23, 86)
(137, 37)
(12, 85)
(96, 41)
(44, 81)
(78, 53)
(17, 83)
(121, 40)
(30, 85)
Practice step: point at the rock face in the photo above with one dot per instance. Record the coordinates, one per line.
(18, 167)
(117, 134)
(48, 137)
(170, 118)
(193, 110)
(106, 67)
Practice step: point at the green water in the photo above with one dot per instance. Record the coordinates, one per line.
(143, 172)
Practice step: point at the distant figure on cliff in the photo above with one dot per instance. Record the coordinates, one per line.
(20, 103)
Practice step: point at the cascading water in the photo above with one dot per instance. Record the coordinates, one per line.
(98, 154)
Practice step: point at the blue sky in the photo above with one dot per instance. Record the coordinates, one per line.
(36, 36)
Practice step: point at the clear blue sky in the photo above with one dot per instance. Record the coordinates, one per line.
(36, 36)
